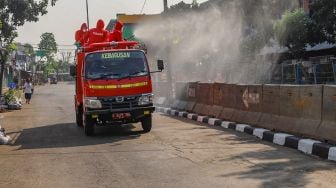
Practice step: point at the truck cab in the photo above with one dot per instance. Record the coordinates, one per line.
(113, 86)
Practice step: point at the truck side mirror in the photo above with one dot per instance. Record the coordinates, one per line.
(73, 71)
(160, 65)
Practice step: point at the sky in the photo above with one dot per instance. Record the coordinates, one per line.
(66, 17)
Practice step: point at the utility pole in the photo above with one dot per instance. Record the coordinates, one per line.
(87, 14)
(2, 64)
(165, 5)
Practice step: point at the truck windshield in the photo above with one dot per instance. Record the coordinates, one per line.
(115, 65)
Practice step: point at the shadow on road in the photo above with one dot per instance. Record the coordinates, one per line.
(279, 169)
(275, 166)
(69, 135)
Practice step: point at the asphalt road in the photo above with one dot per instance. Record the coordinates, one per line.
(49, 150)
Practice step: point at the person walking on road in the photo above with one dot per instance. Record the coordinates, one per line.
(28, 90)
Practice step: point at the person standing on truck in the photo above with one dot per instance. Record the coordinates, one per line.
(116, 35)
(28, 90)
(82, 35)
(98, 34)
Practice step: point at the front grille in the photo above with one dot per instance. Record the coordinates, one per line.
(114, 102)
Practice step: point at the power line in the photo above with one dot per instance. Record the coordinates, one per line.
(57, 49)
(57, 44)
(34, 44)
(143, 6)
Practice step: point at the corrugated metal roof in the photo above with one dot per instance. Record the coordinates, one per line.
(136, 18)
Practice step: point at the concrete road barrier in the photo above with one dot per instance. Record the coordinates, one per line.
(228, 101)
(295, 109)
(270, 106)
(327, 129)
(175, 104)
(300, 109)
(215, 110)
(289, 113)
(181, 91)
(191, 91)
(191, 96)
(240, 109)
(310, 106)
(253, 103)
(190, 106)
(204, 95)
(181, 96)
(182, 105)
(199, 108)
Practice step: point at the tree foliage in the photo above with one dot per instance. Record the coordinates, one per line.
(61, 64)
(29, 49)
(323, 14)
(258, 17)
(294, 30)
(15, 13)
(48, 45)
(182, 7)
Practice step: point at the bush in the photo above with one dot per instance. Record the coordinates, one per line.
(293, 31)
(11, 95)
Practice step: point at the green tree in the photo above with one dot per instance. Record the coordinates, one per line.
(48, 45)
(61, 64)
(323, 14)
(194, 4)
(30, 53)
(66, 58)
(29, 49)
(15, 13)
(258, 17)
(293, 31)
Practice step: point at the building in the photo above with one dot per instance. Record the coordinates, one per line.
(18, 66)
(130, 22)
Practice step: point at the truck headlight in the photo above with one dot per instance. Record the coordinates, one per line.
(146, 99)
(92, 103)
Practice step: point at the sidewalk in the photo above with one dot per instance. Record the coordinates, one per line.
(15, 121)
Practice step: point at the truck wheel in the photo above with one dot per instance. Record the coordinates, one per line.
(79, 118)
(88, 124)
(146, 123)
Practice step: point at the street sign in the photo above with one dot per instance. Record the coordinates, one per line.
(40, 53)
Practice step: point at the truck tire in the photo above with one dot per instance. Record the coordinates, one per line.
(79, 117)
(146, 123)
(88, 124)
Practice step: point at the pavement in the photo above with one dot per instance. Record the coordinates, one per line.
(49, 150)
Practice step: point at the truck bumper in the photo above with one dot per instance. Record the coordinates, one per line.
(136, 114)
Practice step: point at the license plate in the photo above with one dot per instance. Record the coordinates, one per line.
(121, 115)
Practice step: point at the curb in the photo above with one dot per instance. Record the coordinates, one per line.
(304, 145)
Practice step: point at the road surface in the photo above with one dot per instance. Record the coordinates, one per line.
(49, 150)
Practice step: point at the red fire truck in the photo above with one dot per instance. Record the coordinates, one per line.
(113, 85)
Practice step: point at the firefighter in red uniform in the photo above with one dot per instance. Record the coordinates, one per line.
(116, 35)
(98, 34)
(81, 36)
